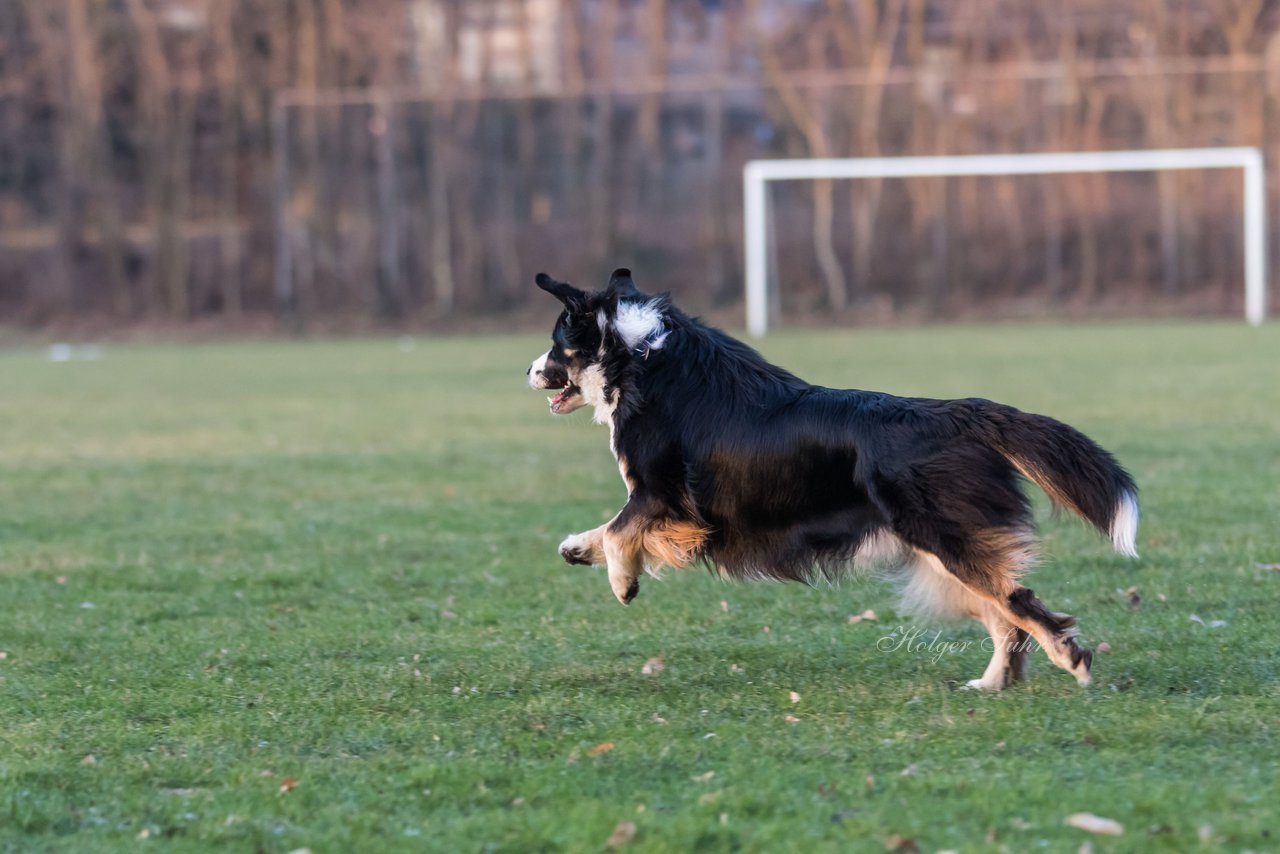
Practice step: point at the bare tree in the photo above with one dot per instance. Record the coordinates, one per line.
(810, 127)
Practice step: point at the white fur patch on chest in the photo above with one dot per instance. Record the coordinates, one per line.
(592, 383)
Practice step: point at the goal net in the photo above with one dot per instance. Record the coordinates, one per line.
(759, 173)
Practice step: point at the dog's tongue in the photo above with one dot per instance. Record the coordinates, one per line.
(559, 399)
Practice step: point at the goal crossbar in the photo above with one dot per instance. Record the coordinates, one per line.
(757, 173)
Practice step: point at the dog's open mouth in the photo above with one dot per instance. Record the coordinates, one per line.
(568, 399)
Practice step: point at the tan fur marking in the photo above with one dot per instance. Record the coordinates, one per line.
(1007, 554)
(662, 542)
(1038, 477)
(674, 543)
(625, 471)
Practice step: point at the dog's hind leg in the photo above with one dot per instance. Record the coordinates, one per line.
(1056, 633)
(934, 590)
(961, 504)
(1011, 613)
(1008, 651)
(1017, 645)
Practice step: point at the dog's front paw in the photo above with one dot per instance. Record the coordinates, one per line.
(576, 552)
(625, 589)
(575, 556)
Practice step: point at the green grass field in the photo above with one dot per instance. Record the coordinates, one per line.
(282, 595)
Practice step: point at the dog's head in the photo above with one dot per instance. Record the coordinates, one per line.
(617, 322)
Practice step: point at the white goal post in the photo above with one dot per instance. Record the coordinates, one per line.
(758, 173)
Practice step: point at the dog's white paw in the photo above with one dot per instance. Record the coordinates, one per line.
(984, 685)
(576, 550)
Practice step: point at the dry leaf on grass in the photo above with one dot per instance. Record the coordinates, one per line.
(1268, 565)
(791, 719)
(1104, 647)
(288, 784)
(623, 833)
(795, 698)
(911, 770)
(602, 747)
(898, 842)
(653, 665)
(704, 777)
(88, 760)
(865, 615)
(1087, 821)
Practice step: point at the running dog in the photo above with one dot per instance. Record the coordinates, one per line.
(736, 463)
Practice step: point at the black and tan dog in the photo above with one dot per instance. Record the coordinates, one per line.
(738, 464)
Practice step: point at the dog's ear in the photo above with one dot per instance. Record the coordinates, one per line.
(572, 298)
(621, 284)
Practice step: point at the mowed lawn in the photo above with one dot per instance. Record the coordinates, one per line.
(282, 595)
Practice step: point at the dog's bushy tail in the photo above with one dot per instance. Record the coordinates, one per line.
(1072, 469)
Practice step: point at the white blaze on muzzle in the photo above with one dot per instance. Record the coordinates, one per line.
(536, 379)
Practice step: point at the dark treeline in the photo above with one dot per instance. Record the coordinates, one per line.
(323, 161)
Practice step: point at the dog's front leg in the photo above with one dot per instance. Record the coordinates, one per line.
(585, 549)
(598, 547)
(625, 562)
(624, 552)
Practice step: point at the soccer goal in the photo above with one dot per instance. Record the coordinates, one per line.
(758, 173)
